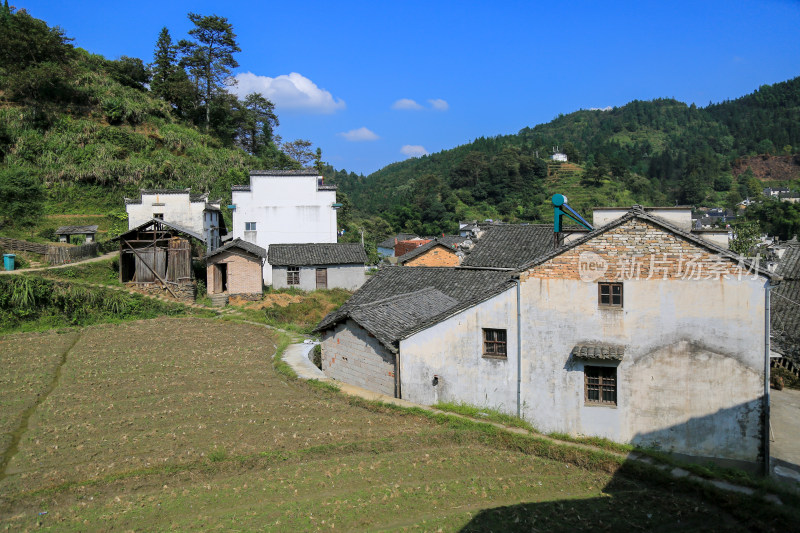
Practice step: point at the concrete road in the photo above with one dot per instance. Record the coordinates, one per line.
(785, 436)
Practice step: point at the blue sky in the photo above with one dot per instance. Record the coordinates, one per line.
(375, 82)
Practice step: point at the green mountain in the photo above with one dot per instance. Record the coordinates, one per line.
(648, 152)
(87, 130)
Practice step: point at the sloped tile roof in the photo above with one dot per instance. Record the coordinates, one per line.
(242, 245)
(311, 254)
(599, 352)
(389, 243)
(76, 230)
(464, 286)
(510, 245)
(785, 305)
(387, 319)
(301, 172)
(154, 221)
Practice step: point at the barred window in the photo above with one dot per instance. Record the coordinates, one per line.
(600, 385)
(494, 342)
(293, 275)
(610, 294)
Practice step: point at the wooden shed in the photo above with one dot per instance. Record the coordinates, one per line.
(236, 270)
(156, 257)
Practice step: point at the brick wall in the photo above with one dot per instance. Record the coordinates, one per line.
(244, 272)
(638, 250)
(403, 247)
(350, 354)
(436, 256)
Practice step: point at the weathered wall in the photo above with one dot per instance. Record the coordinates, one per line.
(349, 277)
(243, 272)
(693, 344)
(286, 209)
(691, 380)
(453, 351)
(177, 209)
(436, 256)
(352, 355)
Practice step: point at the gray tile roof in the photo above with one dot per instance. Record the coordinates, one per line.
(76, 230)
(316, 254)
(389, 243)
(387, 319)
(240, 188)
(424, 248)
(599, 352)
(301, 172)
(154, 221)
(464, 286)
(785, 305)
(242, 245)
(201, 197)
(510, 245)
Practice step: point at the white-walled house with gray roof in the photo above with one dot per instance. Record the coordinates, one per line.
(284, 206)
(639, 332)
(178, 206)
(313, 266)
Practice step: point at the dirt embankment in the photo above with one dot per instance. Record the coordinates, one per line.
(770, 168)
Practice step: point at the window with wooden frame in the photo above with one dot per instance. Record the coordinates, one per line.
(609, 294)
(293, 275)
(158, 216)
(494, 342)
(600, 385)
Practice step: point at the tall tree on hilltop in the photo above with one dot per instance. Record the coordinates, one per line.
(164, 64)
(210, 57)
(257, 123)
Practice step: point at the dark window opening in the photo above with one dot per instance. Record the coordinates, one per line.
(610, 294)
(494, 342)
(600, 385)
(293, 275)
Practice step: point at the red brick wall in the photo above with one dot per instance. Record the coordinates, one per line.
(403, 247)
(436, 256)
(244, 272)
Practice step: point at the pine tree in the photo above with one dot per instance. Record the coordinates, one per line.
(164, 64)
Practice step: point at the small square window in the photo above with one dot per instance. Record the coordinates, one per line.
(600, 385)
(609, 294)
(158, 216)
(494, 342)
(250, 226)
(293, 275)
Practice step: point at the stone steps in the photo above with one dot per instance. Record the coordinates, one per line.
(218, 300)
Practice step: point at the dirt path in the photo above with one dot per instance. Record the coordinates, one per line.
(103, 257)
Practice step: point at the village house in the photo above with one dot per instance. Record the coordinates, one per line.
(313, 266)
(235, 269)
(284, 206)
(156, 258)
(386, 247)
(638, 331)
(65, 233)
(193, 212)
(447, 250)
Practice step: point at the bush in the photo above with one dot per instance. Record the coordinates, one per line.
(316, 356)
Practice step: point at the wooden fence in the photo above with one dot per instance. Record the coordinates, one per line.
(55, 255)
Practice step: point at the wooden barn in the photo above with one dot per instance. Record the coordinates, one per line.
(156, 258)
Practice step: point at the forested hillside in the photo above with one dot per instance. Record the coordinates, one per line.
(78, 131)
(655, 152)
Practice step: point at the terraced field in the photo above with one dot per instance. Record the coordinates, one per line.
(184, 424)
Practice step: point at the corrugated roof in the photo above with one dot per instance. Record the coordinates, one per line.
(76, 230)
(242, 245)
(510, 245)
(310, 254)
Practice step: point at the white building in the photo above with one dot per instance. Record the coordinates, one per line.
(180, 208)
(639, 332)
(559, 156)
(284, 207)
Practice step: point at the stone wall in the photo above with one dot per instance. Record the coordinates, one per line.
(186, 292)
(350, 354)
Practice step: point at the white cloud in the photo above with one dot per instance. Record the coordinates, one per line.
(292, 91)
(360, 134)
(405, 104)
(438, 104)
(412, 150)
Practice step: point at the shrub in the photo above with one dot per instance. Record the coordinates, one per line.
(316, 356)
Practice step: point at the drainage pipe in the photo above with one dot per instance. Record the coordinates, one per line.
(519, 352)
(767, 327)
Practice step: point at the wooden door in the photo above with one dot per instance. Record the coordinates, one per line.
(322, 278)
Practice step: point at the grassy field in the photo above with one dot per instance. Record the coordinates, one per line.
(183, 424)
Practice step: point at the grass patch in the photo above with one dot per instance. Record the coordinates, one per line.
(292, 309)
(491, 415)
(104, 272)
(597, 442)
